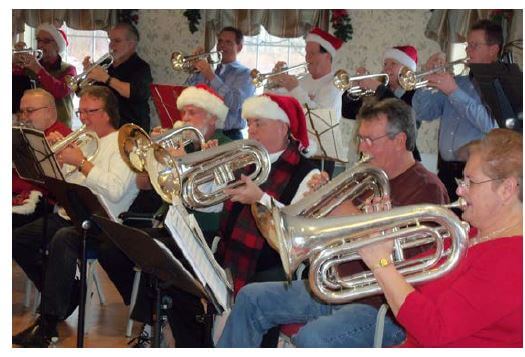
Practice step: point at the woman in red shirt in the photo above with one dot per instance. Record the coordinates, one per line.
(480, 304)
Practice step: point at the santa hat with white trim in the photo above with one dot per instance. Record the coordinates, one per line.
(58, 35)
(205, 98)
(329, 42)
(406, 55)
(283, 108)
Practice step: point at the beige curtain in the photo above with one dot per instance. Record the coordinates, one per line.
(96, 19)
(281, 23)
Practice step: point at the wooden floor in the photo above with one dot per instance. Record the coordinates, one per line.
(106, 324)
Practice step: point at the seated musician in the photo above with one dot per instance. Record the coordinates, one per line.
(480, 304)
(386, 131)
(106, 175)
(37, 110)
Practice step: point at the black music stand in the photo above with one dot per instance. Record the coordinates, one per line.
(154, 258)
(80, 204)
(501, 88)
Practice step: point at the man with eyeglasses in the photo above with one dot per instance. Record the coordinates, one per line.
(37, 110)
(108, 176)
(464, 117)
(50, 71)
(386, 132)
(129, 76)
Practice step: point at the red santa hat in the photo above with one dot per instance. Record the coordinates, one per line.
(325, 39)
(205, 98)
(283, 108)
(58, 35)
(406, 55)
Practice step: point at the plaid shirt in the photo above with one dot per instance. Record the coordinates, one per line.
(241, 241)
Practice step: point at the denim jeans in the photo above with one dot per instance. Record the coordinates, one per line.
(260, 306)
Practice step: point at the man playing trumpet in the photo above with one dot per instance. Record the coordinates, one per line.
(50, 71)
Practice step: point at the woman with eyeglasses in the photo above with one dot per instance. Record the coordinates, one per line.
(480, 304)
(50, 71)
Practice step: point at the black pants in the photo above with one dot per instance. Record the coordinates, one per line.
(59, 288)
(448, 171)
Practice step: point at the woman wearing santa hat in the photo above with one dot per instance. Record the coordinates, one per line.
(50, 72)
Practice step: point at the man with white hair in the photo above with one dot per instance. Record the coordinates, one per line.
(50, 71)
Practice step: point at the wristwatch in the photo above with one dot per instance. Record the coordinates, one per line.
(383, 262)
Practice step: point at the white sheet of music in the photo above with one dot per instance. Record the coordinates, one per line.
(323, 128)
(188, 236)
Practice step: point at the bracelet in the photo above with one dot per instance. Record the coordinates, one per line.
(383, 262)
(82, 163)
(108, 80)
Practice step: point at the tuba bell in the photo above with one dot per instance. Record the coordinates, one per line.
(329, 242)
(87, 140)
(200, 177)
(134, 142)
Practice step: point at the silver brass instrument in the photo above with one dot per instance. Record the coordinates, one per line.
(183, 63)
(264, 79)
(192, 175)
(329, 242)
(344, 82)
(81, 80)
(86, 140)
(410, 80)
(134, 142)
(38, 54)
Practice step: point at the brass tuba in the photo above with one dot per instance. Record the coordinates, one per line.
(410, 80)
(329, 242)
(200, 177)
(134, 142)
(87, 140)
(344, 82)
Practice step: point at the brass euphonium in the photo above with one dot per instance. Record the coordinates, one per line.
(134, 142)
(200, 177)
(87, 140)
(329, 242)
(344, 82)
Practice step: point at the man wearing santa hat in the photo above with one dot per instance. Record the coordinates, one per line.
(393, 60)
(50, 71)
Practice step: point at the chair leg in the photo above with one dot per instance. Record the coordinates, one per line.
(380, 326)
(134, 293)
(100, 291)
(28, 292)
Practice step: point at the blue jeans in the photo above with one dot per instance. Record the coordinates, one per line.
(260, 306)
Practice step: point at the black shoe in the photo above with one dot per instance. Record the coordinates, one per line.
(39, 334)
(141, 341)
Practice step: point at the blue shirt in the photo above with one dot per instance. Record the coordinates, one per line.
(464, 117)
(234, 84)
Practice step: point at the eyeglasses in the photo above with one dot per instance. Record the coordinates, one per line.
(45, 41)
(465, 182)
(87, 112)
(475, 45)
(368, 140)
(29, 111)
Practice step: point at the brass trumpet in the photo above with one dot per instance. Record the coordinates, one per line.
(344, 82)
(329, 242)
(134, 142)
(81, 80)
(410, 80)
(87, 140)
(182, 63)
(193, 175)
(259, 79)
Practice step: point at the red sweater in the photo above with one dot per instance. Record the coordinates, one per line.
(480, 304)
(20, 185)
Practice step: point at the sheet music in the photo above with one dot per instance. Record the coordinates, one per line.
(188, 236)
(323, 128)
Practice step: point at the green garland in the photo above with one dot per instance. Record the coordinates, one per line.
(193, 17)
(342, 25)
